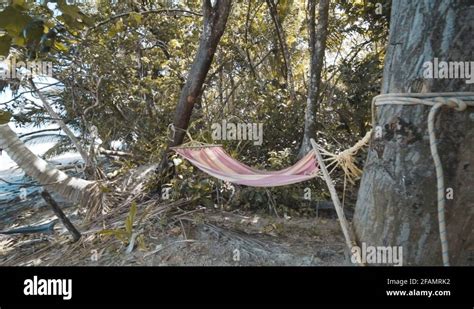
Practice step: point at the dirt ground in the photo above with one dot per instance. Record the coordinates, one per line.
(171, 236)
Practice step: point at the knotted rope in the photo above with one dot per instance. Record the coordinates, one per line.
(173, 130)
(457, 100)
(345, 159)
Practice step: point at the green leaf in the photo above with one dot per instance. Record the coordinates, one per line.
(105, 189)
(116, 28)
(20, 4)
(5, 117)
(137, 17)
(5, 43)
(72, 23)
(14, 21)
(73, 16)
(174, 44)
(118, 233)
(60, 46)
(130, 218)
(108, 232)
(119, 25)
(19, 41)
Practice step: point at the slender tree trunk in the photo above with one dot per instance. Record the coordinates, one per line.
(317, 45)
(397, 202)
(215, 19)
(76, 235)
(284, 49)
(70, 188)
(61, 123)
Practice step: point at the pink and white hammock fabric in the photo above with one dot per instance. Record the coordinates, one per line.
(215, 161)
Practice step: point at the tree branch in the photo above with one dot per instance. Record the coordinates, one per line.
(60, 122)
(61, 216)
(172, 12)
(25, 92)
(284, 49)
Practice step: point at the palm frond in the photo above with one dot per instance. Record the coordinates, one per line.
(43, 138)
(62, 147)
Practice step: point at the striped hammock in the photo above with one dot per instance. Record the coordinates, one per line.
(215, 161)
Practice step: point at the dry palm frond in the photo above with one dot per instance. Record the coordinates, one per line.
(60, 251)
(100, 198)
(6, 245)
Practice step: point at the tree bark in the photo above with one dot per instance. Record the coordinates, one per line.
(215, 19)
(71, 188)
(317, 45)
(76, 235)
(397, 204)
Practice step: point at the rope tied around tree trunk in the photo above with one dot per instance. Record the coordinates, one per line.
(172, 128)
(459, 101)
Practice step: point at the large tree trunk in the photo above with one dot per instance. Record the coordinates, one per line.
(215, 19)
(397, 202)
(317, 46)
(71, 188)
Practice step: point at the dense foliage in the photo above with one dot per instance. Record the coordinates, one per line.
(120, 66)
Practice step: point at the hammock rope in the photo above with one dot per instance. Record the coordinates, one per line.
(345, 159)
(173, 129)
(459, 101)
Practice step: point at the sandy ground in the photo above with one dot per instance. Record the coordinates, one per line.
(194, 237)
(178, 233)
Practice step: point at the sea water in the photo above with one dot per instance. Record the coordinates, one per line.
(19, 193)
